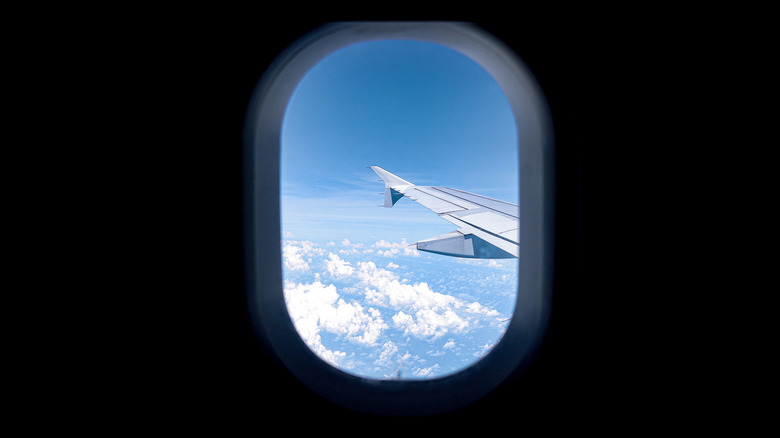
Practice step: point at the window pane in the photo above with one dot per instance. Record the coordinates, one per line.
(359, 292)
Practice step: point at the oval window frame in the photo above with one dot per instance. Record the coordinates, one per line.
(262, 223)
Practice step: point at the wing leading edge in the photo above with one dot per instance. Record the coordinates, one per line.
(487, 228)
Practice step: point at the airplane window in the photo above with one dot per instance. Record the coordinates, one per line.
(372, 291)
(384, 160)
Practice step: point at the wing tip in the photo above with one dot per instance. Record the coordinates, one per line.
(390, 179)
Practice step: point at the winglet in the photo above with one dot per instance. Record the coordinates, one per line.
(394, 186)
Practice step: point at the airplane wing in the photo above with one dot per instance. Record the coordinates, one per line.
(487, 228)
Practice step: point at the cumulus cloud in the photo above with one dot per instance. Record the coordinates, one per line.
(338, 267)
(384, 288)
(303, 303)
(427, 323)
(491, 263)
(425, 372)
(349, 247)
(349, 244)
(388, 249)
(477, 308)
(389, 349)
(371, 307)
(293, 258)
(484, 349)
(297, 254)
(316, 307)
(422, 312)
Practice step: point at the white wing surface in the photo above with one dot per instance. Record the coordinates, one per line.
(487, 228)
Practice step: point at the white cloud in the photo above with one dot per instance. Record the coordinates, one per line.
(477, 308)
(303, 303)
(425, 372)
(389, 349)
(484, 349)
(490, 263)
(388, 249)
(384, 288)
(316, 307)
(423, 312)
(293, 253)
(428, 323)
(337, 267)
(371, 302)
(346, 242)
(293, 258)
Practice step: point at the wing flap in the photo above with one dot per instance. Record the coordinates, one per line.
(431, 202)
(488, 220)
(504, 243)
(482, 201)
(437, 193)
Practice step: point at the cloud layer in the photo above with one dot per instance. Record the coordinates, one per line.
(357, 313)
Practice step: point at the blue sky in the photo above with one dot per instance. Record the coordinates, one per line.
(359, 295)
